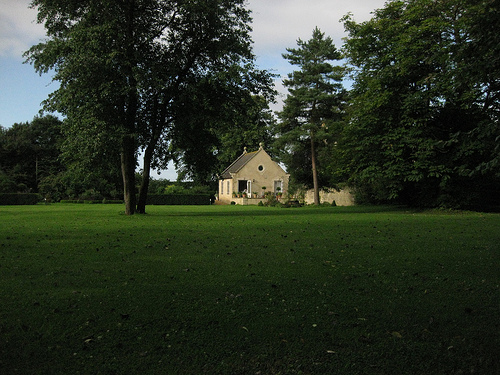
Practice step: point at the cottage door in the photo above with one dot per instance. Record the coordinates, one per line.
(242, 185)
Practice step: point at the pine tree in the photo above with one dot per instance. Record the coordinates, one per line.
(315, 99)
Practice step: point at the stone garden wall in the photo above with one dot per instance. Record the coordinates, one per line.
(341, 197)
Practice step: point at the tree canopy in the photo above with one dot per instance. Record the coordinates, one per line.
(126, 67)
(314, 106)
(423, 116)
(176, 80)
(29, 154)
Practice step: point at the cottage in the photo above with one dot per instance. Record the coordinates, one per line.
(250, 176)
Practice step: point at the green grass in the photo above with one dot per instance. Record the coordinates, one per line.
(85, 289)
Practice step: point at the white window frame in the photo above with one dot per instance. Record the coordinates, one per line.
(278, 183)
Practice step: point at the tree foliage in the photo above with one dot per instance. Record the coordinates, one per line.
(29, 154)
(424, 106)
(32, 159)
(203, 153)
(126, 69)
(314, 107)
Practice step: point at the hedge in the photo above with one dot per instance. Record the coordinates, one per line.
(184, 199)
(19, 198)
(104, 201)
(160, 199)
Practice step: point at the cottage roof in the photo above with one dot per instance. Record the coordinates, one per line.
(239, 163)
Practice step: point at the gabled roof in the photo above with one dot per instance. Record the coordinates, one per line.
(239, 163)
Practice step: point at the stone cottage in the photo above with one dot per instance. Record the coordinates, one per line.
(252, 175)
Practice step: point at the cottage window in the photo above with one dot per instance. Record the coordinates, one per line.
(260, 168)
(227, 191)
(278, 184)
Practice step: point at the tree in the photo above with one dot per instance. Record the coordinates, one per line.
(33, 159)
(124, 66)
(186, 113)
(253, 127)
(202, 155)
(421, 99)
(316, 99)
(30, 153)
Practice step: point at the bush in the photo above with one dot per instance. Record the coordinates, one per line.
(91, 195)
(271, 200)
(52, 187)
(71, 201)
(182, 199)
(175, 190)
(112, 201)
(19, 198)
(104, 201)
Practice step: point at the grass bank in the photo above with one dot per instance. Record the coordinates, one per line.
(85, 289)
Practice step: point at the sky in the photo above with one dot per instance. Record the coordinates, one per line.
(277, 24)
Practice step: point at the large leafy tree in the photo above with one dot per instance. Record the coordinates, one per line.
(29, 154)
(203, 153)
(314, 107)
(424, 108)
(33, 159)
(124, 67)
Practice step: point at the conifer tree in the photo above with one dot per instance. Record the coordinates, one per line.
(315, 99)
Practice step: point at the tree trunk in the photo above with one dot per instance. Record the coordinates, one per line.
(314, 170)
(129, 142)
(143, 191)
(157, 125)
(128, 173)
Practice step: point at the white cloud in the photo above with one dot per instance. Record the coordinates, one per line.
(277, 24)
(18, 28)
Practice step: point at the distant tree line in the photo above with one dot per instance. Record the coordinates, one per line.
(33, 159)
(418, 124)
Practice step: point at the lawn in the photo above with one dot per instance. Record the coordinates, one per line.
(85, 289)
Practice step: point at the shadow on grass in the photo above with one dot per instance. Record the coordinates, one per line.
(275, 211)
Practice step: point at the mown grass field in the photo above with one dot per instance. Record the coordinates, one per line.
(85, 289)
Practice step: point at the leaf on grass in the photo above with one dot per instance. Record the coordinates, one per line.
(397, 335)
(365, 339)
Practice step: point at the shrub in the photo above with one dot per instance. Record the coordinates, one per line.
(182, 199)
(271, 200)
(112, 201)
(174, 190)
(19, 198)
(92, 201)
(71, 201)
(91, 195)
